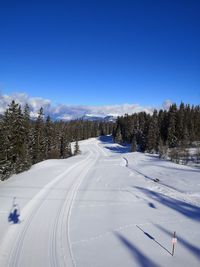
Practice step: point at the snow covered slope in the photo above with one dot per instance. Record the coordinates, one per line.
(102, 209)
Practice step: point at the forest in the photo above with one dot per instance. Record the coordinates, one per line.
(166, 132)
(24, 141)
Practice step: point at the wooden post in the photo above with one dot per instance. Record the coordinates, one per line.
(14, 198)
(174, 241)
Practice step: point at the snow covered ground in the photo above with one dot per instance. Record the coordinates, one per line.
(102, 209)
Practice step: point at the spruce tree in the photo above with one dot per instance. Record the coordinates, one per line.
(39, 138)
(118, 135)
(133, 144)
(153, 134)
(28, 137)
(76, 148)
(5, 161)
(14, 140)
(172, 134)
(68, 149)
(62, 148)
(180, 126)
(48, 137)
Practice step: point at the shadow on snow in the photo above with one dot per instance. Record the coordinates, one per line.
(186, 209)
(118, 149)
(153, 179)
(153, 239)
(106, 139)
(193, 249)
(142, 260)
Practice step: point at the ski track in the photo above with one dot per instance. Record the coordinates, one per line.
(17, 237)
(61, 248)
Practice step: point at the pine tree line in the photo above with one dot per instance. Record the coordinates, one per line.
(24, 142)
(178, 127)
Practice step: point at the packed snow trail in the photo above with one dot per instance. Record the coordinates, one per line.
(91, 210)
(45, 221)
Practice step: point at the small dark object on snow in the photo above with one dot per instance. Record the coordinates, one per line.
(14, 213)
(156, 180)
(14, 216)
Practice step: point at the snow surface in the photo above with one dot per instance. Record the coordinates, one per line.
(102, 209)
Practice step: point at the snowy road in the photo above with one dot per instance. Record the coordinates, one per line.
(93, 210)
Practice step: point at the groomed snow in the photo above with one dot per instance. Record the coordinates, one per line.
(102, 208)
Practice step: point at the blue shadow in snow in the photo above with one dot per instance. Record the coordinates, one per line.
(186, 209)
(151, 205)
(144, 175)
(106, 139)
(152, 238)
(142, 260)
(119, 149)
(193, 249)
(153, 179)
(14, 216)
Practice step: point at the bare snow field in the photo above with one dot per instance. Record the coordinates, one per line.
(102, 208)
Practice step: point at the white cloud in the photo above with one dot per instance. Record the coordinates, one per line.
(166, 104)
(67, 112)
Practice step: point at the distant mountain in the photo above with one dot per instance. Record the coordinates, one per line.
(108, 118)
(87, 117)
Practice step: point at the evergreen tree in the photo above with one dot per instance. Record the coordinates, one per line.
(68, 149)
(13, 135)
(180, 126)
(48, 136)
(172, 134)
(133, 145)
(28, 137)
(118, 135)
(5, 161)
(76, 148)
(62, 148)
(163, 122)
(162, 149)
(153, 133)
(39, 139)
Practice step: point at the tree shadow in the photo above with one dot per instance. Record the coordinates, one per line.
(144, 175)
(186, 209)
(193, 249)
(138, 256)
(151, 205)
(106, 139)
(152, 238)
(119, 149)
(153, 179)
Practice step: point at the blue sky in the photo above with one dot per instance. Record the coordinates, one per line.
(101, 52)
